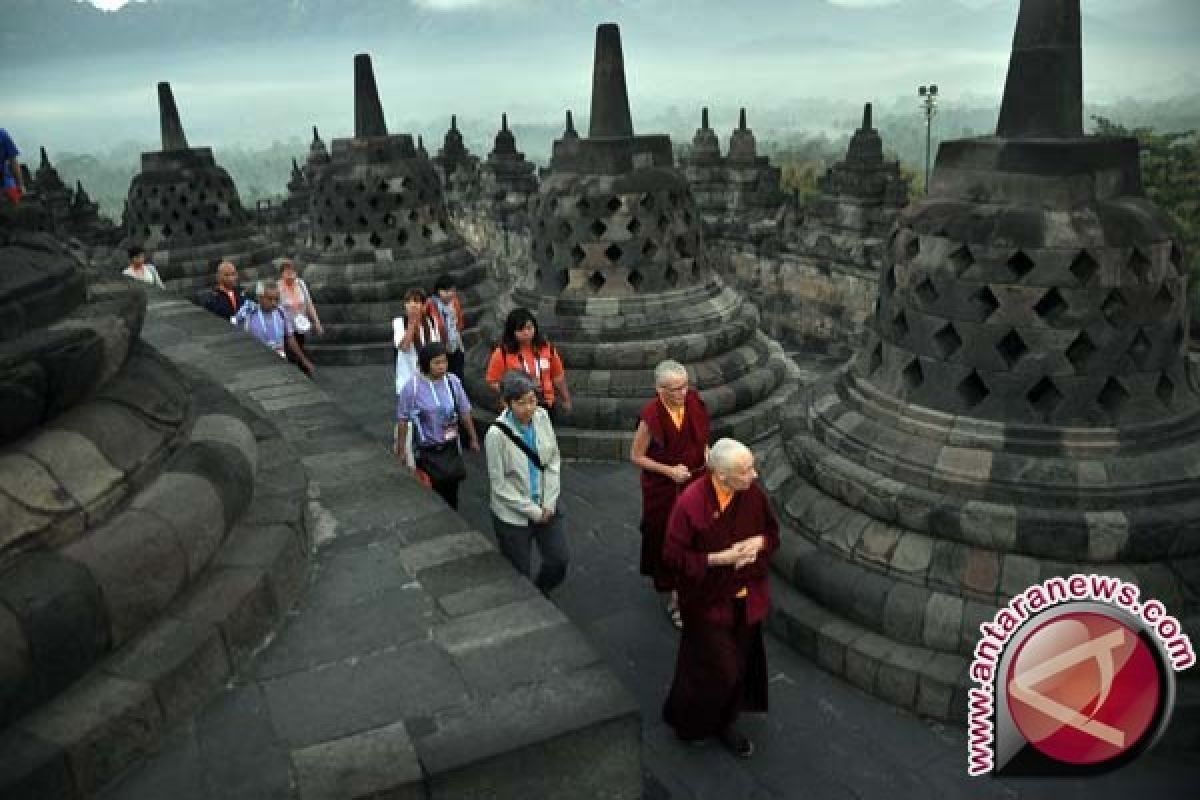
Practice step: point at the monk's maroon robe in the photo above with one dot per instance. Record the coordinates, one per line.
(669, 446)
(721, 668)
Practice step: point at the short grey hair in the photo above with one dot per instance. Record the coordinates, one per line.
(515, 384)
(666, 369)
(724, 454)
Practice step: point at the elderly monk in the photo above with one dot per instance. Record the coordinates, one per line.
(719, 542)
(670, 446)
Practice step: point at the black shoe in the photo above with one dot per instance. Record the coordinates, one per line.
(738, 743)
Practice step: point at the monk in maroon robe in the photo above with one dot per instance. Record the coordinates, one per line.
(670, 446)
(720, 538)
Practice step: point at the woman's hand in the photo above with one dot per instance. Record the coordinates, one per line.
(679, 473)
(474, 444)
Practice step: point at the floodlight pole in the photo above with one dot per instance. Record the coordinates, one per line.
(928, 96)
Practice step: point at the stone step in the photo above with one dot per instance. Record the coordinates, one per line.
(121, 710)
(926, 682)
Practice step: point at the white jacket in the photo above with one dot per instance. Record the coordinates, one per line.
(508, 471)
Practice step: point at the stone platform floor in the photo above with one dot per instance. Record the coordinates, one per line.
(823, 738)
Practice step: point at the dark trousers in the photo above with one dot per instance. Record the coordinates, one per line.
(516, 543)
(299, 337)
(448, 491)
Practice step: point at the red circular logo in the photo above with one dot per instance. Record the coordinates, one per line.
(1083, 688)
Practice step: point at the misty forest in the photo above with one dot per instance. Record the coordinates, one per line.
(253, 77)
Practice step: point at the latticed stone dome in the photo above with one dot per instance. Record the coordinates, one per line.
(606, 236)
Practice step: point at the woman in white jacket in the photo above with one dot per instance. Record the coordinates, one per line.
(524, 489)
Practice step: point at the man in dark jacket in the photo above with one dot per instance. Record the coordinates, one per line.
(225, 299)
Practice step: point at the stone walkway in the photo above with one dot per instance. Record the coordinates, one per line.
(822, 739)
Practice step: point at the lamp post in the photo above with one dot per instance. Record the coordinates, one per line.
(928, 95)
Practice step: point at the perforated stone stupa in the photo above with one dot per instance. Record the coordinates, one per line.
(1023, 406)
(508, 181)
(184, 209)
(739, 196)
(622, 280)
(458, 169)
(379, 228)
(819, 293)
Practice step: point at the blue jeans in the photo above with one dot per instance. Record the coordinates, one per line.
(516, 543)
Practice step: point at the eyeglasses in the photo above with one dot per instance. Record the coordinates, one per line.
(681, 388)
(524, 401)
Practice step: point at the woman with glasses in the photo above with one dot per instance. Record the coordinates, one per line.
(671, 447)
(524, 467)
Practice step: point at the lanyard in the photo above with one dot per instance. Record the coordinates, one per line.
(276, 328)
(445, 412)
(536, 372)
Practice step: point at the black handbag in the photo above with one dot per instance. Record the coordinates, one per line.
(442, 462)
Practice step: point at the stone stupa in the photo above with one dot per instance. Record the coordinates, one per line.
(184, 209)
(508, 181)
(379, 228)
(1023, 405)
(622, 280)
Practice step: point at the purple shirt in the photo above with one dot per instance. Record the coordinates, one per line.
(270, 328)
(434, 407)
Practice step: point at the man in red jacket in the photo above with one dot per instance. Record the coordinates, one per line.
(720, 538)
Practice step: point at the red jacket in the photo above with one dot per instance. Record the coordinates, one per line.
(434, 313)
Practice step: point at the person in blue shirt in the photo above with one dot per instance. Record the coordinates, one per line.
(10, 169)
(270, 325)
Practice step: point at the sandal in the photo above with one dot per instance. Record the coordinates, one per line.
(676, 616)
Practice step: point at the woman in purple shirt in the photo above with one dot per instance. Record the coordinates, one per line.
(435, 403)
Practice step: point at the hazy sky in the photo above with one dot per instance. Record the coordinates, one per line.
(275, 88)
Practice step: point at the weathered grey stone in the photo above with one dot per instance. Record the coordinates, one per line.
(33, 768)
(491, 595)
(139, 567)
(227, 430)
(77, 465)
(24, 479)
(334, 633)
(523, 659)
(434, 552)
(490, 628)
(239, 602)
(190, 505)
(103, 724)
(416, 679)
(184, 662)
(61, 612)
(364, 765)
(527, 725)
(15, 664)
(275, 550)
(943, 622)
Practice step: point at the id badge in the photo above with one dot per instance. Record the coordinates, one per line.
(544, 363)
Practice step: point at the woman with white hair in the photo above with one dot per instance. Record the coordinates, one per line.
(670, 446)
(720, 538)
(524, 466)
